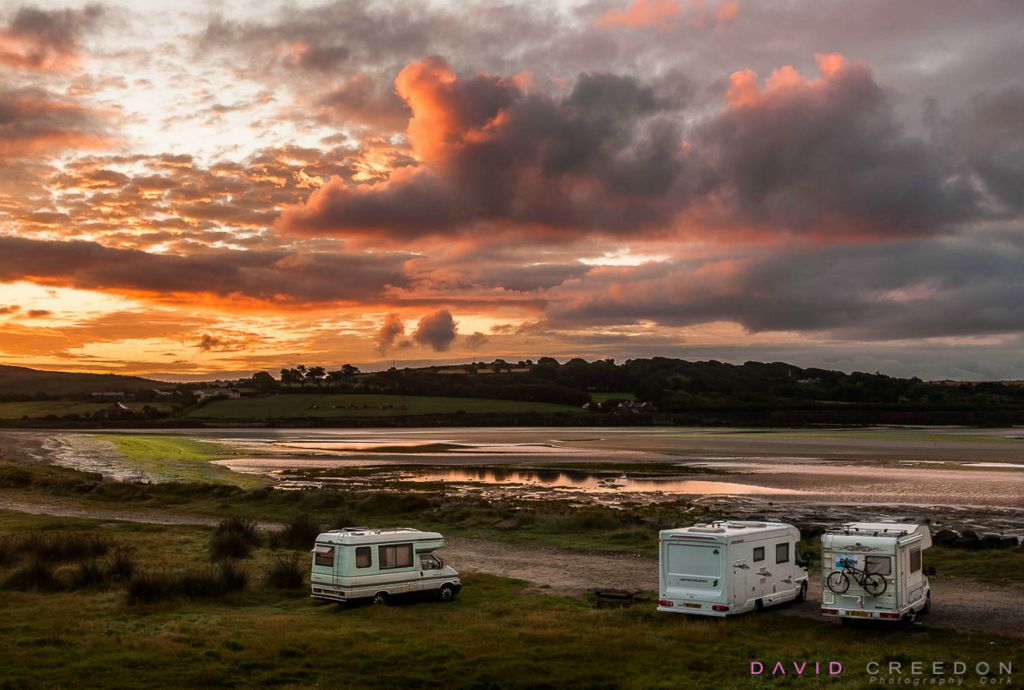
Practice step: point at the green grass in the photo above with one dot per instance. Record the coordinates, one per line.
(999, 566)
(42, 408)
(177, 457)
(620, 395)
(497, 634)
(360, 405)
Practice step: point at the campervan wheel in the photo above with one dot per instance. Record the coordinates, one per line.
(874, 584)
(802, 594)
(838, 582)
(380, 598)
(447, 593)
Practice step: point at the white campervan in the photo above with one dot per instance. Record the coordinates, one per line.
(875, 570)
(725, 568)
(363, 563)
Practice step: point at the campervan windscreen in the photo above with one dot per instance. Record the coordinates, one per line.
(693, 559)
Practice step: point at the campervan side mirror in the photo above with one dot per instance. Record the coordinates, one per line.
(929, 570)
(804, 560)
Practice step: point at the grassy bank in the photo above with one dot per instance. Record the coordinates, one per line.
(177, 457)
(497, 634)
(291, 406)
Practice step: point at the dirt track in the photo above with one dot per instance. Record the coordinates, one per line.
(959, 604)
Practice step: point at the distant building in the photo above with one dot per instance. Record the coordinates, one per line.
(202, 395)
(636, 407)
(108, 395)
(116, 410)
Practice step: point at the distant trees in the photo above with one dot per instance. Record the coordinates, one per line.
(264, 382)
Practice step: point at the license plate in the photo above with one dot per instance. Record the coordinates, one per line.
(858, 614)
(692, 606)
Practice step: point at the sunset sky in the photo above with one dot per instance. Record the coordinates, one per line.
(192, 189)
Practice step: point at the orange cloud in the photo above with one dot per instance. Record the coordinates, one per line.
(642, 13)
(663, 14)
(446, 111)
(744, 89)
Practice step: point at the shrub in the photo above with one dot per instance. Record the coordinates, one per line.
(300, 533)
(34, 575)
(122, 563)
(146, 588)
(8, 551)
(65, 546)
(88, 573)
(213, 581)
(286, 572)
(14, 478)
(234, 538)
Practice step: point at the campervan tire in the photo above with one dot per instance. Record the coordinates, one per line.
(380, 598)
(838, 582)
(927, 603)
(447, 593)
(802, 594)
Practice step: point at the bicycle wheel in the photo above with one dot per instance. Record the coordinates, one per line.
(874, 584)
(838, 582)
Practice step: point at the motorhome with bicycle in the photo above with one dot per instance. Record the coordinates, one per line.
(729, 567)
(875, 570)
(378, 564)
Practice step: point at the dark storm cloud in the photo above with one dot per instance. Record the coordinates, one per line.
(891, 291)
(826, 155)
(812, 154)
(272, 276)
(391, 334)
(436, 330)
(33, 120)
(362, 99)
(600, 158)
(36, 38)
(992, 134)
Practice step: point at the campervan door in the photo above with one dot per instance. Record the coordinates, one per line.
(327, 561)
(693, 569)
(911, 574)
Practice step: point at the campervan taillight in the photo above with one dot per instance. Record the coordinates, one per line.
(888, 615)
(719, 607)
(830, 612)
(666, 602)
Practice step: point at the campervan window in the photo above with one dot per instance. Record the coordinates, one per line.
(324, 555)
(700, 560)
(782, 552)
(881, 565)
(396, 556)
(758, 553)
(915, 559)
(364, 557)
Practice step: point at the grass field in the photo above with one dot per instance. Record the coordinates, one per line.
(602, 397)
(177, 457)
(42, 408)
(497, 634)
(359, 405)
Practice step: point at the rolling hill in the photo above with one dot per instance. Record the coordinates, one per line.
(30, 382)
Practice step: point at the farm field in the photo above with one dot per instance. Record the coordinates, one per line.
(42, 408)
(359, 405)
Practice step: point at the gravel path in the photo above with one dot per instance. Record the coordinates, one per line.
(965, 605)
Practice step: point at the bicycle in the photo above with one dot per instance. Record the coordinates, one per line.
(839, 580)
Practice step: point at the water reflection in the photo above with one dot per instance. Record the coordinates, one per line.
(593, 483)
